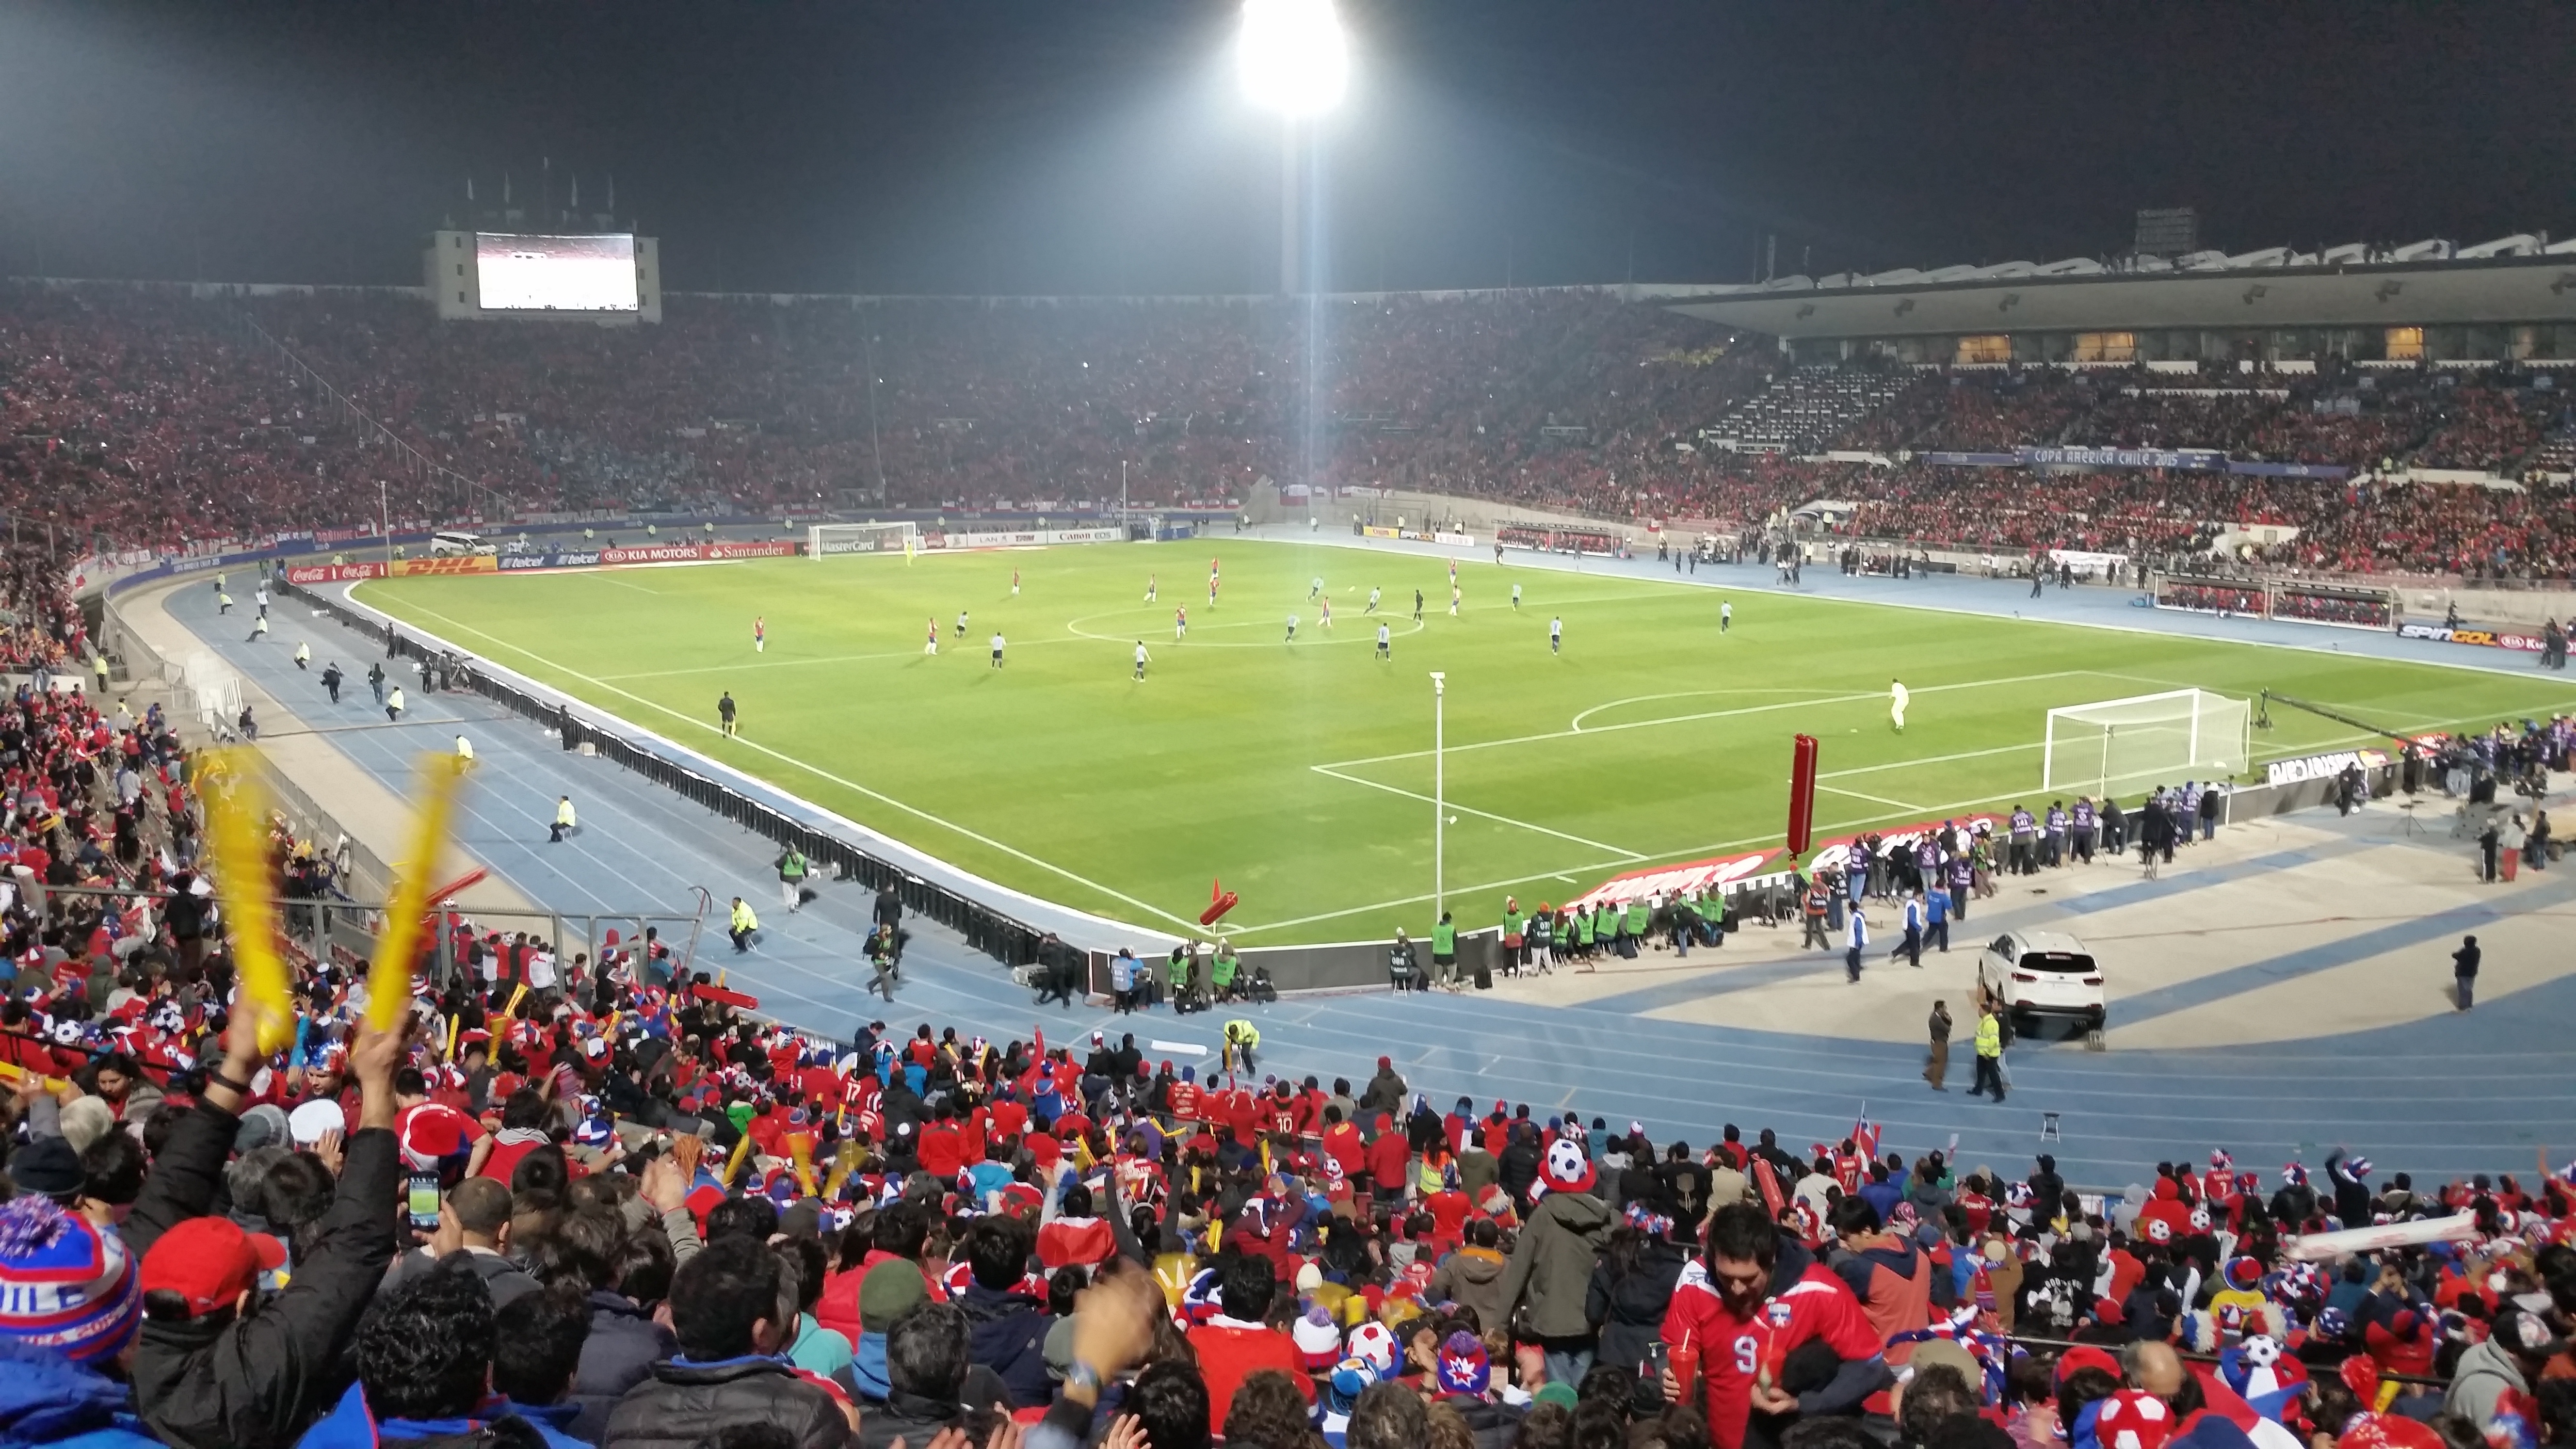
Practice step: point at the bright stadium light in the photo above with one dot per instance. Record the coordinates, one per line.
(1292, 56)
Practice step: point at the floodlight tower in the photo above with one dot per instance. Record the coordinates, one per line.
(1293, 61)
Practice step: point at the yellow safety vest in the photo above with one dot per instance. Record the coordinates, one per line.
(1990, 1037)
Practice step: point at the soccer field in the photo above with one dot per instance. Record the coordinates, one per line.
(1301, 773)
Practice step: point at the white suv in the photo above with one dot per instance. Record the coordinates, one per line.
(2043, 973)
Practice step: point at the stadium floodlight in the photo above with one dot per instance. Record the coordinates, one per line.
(1292, 56)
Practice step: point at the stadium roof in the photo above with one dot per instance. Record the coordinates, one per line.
(2520, 278)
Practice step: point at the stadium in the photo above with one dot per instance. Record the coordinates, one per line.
(604, 856)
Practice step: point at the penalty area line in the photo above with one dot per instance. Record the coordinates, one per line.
(821, 774)
(1479, 814)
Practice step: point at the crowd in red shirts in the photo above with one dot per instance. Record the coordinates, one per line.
(144, 416)
(620, 1181)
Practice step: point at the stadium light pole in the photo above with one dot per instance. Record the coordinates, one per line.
(1293, 60)
(1439, 790)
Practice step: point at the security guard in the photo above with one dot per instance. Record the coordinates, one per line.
(1990, 1052)
(1511, 935)
(303, 660)
(1820, 898)
(1241, 1037)
(563, 817)
(1444, 952)
(791, 879)
(741, 924)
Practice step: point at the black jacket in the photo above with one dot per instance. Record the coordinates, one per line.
(1629, 1307)
(261, 1381)
(683, 1403)
(623, 1346)
(1006, 1332)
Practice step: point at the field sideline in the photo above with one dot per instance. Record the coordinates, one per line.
(1301, 773)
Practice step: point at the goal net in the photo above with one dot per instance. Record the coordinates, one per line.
(829, 540)
(2145, 740)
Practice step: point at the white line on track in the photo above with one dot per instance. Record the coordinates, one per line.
(1480, 814)
(821, 774)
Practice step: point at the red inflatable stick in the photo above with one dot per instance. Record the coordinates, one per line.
(1220, 901)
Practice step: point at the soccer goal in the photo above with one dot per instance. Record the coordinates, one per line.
(828, 540)
(2148, 739)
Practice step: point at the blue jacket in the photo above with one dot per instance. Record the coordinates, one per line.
(352, 1425)
(46, 1399)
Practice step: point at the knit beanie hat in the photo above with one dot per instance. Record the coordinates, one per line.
(1463, 1367)
(1318, 1339)
(64, 1285)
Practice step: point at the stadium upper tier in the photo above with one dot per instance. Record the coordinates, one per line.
(144, 416)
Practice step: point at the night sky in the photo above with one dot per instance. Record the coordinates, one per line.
(1100, 145)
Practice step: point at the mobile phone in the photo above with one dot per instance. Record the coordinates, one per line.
(1657, 1356)
(423, 1201)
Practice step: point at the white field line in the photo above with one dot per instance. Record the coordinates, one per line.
(1480, 814)
(821, 774)
(949, 641)
(1683, 694)
(1873, 799)
(1928, 760)
(1710, 714)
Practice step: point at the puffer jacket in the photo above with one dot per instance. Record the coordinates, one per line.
(259, 1382)
(1551, 1266)
(1006, 1332)
(623, 1346)
(685, 1402)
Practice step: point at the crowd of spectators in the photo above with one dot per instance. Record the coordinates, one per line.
(146, 417)
(598, 1205)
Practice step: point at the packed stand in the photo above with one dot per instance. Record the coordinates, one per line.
(563, 1204)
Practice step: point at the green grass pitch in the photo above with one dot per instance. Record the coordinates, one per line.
(1301, 773)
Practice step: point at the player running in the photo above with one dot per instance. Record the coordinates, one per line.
(1454, 596)
(1725, 616)
(1315, 588)
(1149, 588)
(1555, 634)
(759, 634)
(724, 714)
(1372, 604)
(1516, 598)
(1292, 629)
(997, 649)
(1417, 606)
(961, 623)
(1015, 583)
(1385, 650)
(1896, 700)
(1142, 659)
(1327, 620)
(930, 646)
(1180, 624)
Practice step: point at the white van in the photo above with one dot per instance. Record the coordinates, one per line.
(2043, 973)
(451, 545)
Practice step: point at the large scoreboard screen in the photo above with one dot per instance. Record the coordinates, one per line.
(555, 273)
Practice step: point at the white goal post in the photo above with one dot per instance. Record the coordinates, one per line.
(831, 540)
(2146, 740)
